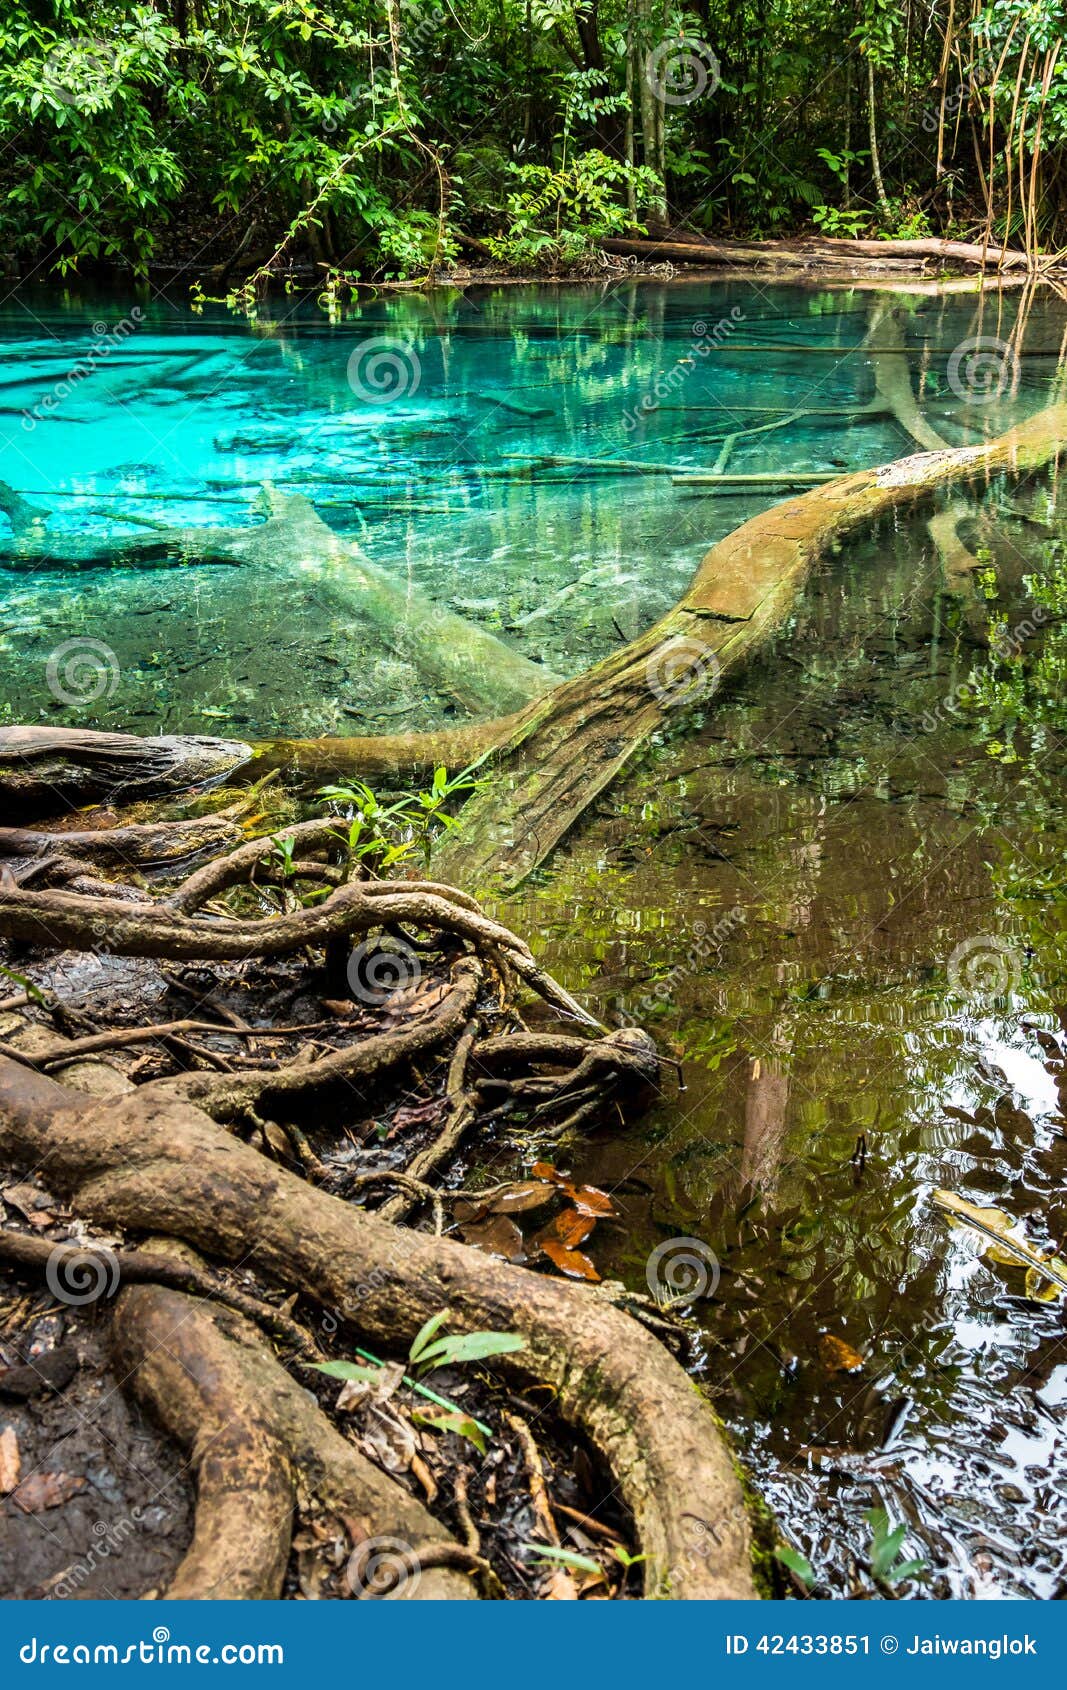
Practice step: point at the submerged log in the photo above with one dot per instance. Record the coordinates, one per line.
(43, 769)
(456, 656)
(551, 760)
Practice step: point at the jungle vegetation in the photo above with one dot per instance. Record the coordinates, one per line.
(379, 137)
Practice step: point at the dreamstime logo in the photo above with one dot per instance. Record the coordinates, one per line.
(110, 1537)
(953, 103)
(107, 337)
(681, 69)
(982, 369)
(83, 72)
(984, 967)
(382, 370)
(383, 1567)
(82, 671)
(375, 974)
(682, 671)
(682, 1269)
(705, 341)
(78, 1275)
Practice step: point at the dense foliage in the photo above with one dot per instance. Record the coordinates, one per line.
(376, 135)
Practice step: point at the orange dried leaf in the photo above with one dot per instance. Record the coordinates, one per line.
(571, 1262)
(837, 1356)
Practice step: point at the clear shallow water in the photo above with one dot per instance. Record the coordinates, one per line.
(129, 429)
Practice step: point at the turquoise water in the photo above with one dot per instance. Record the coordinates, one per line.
(126, 425)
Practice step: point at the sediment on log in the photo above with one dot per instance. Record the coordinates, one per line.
(148, 1163)
(45, 769)
(552, 759)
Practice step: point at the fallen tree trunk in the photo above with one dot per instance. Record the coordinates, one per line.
(552, 759)
(43, 768)
(149, 1163)
(822, 251)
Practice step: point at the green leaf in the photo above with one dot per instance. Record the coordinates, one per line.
(24, 985)
(345, 1370)
(470, 1346)
(906, 1570)
(796, 1562)
(425, 1333)
(567, 1557)
(462, 1424)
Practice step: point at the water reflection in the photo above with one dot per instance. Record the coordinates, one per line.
(475, 445)
(834, 1077)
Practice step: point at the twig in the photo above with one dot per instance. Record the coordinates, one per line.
(535, 1473)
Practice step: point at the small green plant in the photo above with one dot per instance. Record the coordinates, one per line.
(547, 1552)
(885, 1547)
(849, 225)
(427, 1351)
(23, 984)
(381, 834)
(798, 1564)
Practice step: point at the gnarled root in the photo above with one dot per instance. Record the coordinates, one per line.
(149, 1163)
(263, 1453)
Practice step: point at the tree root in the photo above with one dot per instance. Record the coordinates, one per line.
(151, 844)
(150, 1163)
(140, 1267)
(262, 1452)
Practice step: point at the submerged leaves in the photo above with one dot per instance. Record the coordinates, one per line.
(1046, 1273)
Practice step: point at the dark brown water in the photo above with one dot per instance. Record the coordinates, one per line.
(850, 921)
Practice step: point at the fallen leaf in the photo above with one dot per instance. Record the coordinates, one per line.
(586, 1198)
(26, 1199)
(10, 1461)
(277, 1139)
(417, 1114)
(1000, 1244)
(589, 1201)
(568, 1228)
(559, 1586)
(571, 1262)
(419, 999)
(524, 1194)
(837, 1356)
(47, 1490)
(497, 1236)
(545, 1171)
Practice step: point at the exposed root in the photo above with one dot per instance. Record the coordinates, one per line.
(159, 1160)
(263, 1454)
(153, 1164)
